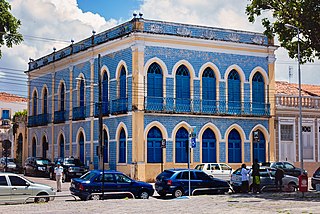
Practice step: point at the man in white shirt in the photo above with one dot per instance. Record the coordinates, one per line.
(58, 170)
(244, 178)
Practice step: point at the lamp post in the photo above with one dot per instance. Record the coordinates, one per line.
(300, 100)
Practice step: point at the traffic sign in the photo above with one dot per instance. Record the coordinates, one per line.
(193, 142)
(163, 143)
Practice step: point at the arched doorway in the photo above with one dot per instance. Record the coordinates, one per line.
(105, 146)
(19, 150)
(44, 147)
(209, 147)
(34, 147)
(61, 146)
(259, 148)
(182, 138)
(154, 150)
(81, 147)
(234, 147)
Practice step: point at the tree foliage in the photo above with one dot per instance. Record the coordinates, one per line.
(9, 26)
(303, 14)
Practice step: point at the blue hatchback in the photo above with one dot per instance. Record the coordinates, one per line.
(114, 182)
(176, 182)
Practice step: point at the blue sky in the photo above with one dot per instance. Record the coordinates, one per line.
(110, 9)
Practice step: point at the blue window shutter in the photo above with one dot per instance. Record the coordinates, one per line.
(259, 149)
(154, 149)
(234, 147)
(81, 92)
(62, 97)
(209, 147)
(35, 104)
(123, 83)
(105, 88)
(105, 143)
(61, 146)
(122, 147)
(34, 148)
(45, 102)
(181, 145)
(81, 147)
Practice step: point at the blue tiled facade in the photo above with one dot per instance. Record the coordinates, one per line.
(166, 112)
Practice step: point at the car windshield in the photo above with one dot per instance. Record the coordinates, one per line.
(165, 174)
(42, 162)
(88, 176)
(200, 166)
(75, 162)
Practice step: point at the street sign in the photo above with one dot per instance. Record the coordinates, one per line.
(163, 143)
(193, 142)
(256, 136)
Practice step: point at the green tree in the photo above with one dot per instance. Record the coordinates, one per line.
(303, 14)
(9, 26)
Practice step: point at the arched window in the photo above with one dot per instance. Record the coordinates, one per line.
(81, 147)
(182, 138)
(182, 89)
(259, 148)
(209, 147)
(44, 147)
(234, 147)
(45, 101)
(81, 91)
(155, 87)
(61, 146)
(105, 102)
(208, 91)
(234, 92)
(123, 83)
(105, 148)
(154, 153)
(62, 97)
(35, 103)
(122, 147)
(34, 147)
(258, 94)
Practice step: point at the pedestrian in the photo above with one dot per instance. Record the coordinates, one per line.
(278, 178)
(244, 178)
(255, 176)
(58, 170)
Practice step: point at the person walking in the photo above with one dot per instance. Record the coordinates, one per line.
(255, 176)
(58, 170)
(278, 178)
(244, 178)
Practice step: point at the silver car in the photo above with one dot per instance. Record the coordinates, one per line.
(267, 180)
(11, 166)
(17, 189)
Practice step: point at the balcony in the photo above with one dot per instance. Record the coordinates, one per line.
(79, 113)
(211, 107)
(291, 101)
(105, 109)
(119, 106)
(39, 120)
(60, 116)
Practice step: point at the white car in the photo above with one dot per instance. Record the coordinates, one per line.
(17, 189)
(217, 170)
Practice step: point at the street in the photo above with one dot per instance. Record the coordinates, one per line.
(229, 203)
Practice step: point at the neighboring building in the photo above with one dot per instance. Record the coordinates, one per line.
(287, 124)
(158, 80)
(9, 105)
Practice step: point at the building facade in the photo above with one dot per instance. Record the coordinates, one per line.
(158, 79)
(288, 126)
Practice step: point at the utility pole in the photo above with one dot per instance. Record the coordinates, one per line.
(101, 145)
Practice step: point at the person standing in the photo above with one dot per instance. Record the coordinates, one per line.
(58, 170)
(244, 178)
(278, 178)
(255, 176)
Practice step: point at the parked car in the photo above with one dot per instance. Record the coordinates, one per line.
(16, 188)
(267, 179)
(11, 165)
(114, 181)
(36, 166)
(288, 168)
(72, 168)
(176, 182)
(216, 170)
(315, 178)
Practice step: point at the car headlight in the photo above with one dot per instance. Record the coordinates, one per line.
(70, 169)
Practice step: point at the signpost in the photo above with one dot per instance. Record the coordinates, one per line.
(163, 146)
(191, 144)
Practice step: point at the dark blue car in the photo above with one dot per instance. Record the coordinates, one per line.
(176, 182)
(114, 182)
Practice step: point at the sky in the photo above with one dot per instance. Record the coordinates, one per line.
(54, 23)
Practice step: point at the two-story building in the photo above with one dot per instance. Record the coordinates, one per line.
(158, 79)
(287, 128)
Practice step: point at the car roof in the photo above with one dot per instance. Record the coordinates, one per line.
(183, 169)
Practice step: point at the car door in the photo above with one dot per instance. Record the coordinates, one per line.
(215, 170)
(20, 188)
(124, 184)
(203, 180)
(109, 183)
(266, 181)
(290, 169)
(5, 189)
(226, 172)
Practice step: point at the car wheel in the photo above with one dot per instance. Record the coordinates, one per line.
(95, 197)
(144, 194)
(41, 199)
(177, 193)
(291, 187)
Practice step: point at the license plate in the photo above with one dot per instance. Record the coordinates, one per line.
(78, 173)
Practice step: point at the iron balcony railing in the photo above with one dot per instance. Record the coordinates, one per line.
(39, 120)
(60, 116)
(119, 106)
(79, 113)
(104, 109)
(292, 101)
(197, 106)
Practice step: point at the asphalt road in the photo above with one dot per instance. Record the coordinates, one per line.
(229, 203)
